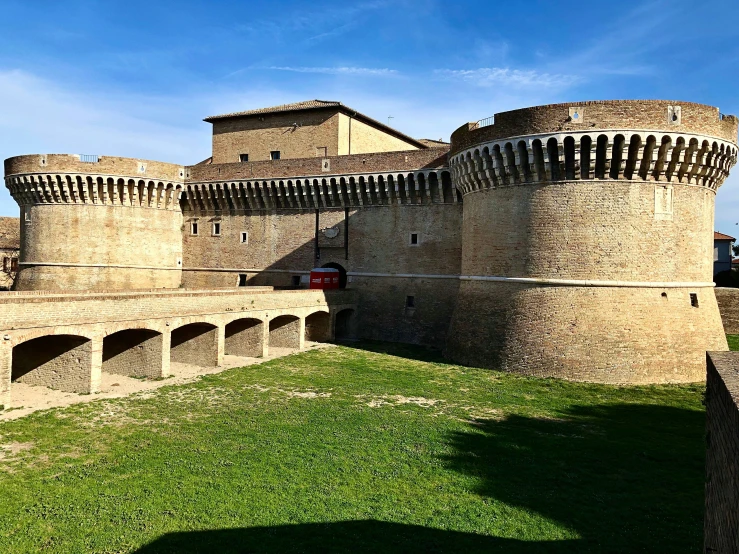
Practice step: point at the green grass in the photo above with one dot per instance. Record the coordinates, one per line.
(378, 448)
(733, 342)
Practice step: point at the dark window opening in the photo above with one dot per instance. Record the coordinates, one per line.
(216, 229)
(244, 238)
(193, 228)
(664, 295)
(274, 155)
(243, 157)
(410, 301)
(242, 279)
(414, 238)
(694, 299)
(296, 280)
(13, 264)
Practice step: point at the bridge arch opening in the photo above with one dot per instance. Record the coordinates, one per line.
(62, 362)
(195, 344)
(318, 327)
(284, 332)
(134, 352)
(345, 326)
(342, 273)
(245, 337)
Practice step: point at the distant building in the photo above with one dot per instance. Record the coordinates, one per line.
(10, 240)
(722, 254)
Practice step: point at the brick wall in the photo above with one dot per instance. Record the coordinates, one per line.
(410, 160)
(134, 352)
(106, 165)
(60, 362)
(721, 525)
(603, 114)
(728, 304)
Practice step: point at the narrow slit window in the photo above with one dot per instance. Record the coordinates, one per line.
(410, 301)
(242, 279)
(194, 228)
(216, 229)
(6, 264)
(414, 239)
(244, 237)
(694, 299)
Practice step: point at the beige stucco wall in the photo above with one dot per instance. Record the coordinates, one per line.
(357, 137)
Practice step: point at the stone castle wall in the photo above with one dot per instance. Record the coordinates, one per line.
(602, 241)
(722, 453)
(585, 232)
(110, 224)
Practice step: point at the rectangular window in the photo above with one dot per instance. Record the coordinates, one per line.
(194, 228)
(715, 253)
(243, 157)
(410, 301)
(6, 264)
(13, 264)
(414, 239)
(694, 299)
(296, 280)
(244, 237)
(242, 279)
(274, 155)
(216, 229)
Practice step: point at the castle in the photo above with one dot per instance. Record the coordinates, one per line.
(570, 240)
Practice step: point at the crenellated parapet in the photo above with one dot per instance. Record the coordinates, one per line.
(587, 239)
(103, 181)
(633, 155)
(324, 192)
(97, 222)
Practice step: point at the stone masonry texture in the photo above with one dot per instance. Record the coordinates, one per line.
(577, 242)
(721, 523)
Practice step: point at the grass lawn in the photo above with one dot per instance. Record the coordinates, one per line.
(378, 447)
(733, 342)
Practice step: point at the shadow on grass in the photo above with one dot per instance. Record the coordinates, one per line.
(624, 477)
(343, 537)
(399, 349)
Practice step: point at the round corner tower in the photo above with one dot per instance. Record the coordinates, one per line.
(588, 240)
(97, 223)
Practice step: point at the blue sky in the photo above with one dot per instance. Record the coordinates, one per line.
(136, 78)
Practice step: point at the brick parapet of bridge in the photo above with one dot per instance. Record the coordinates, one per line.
(87, 320)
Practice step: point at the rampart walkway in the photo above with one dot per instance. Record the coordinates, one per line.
(66, 341)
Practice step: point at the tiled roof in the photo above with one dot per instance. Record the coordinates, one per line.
(295, 106)
(431, 143)
(10, 232)
(721, 236)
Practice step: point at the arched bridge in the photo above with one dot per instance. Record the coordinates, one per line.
(66, 341)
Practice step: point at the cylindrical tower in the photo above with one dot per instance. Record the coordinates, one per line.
(588, 240)
(97, 223)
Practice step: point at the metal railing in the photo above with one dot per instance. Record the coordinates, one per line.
(485, 122)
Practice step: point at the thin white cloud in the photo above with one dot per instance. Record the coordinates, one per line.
(489, 76)
(360, 71)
